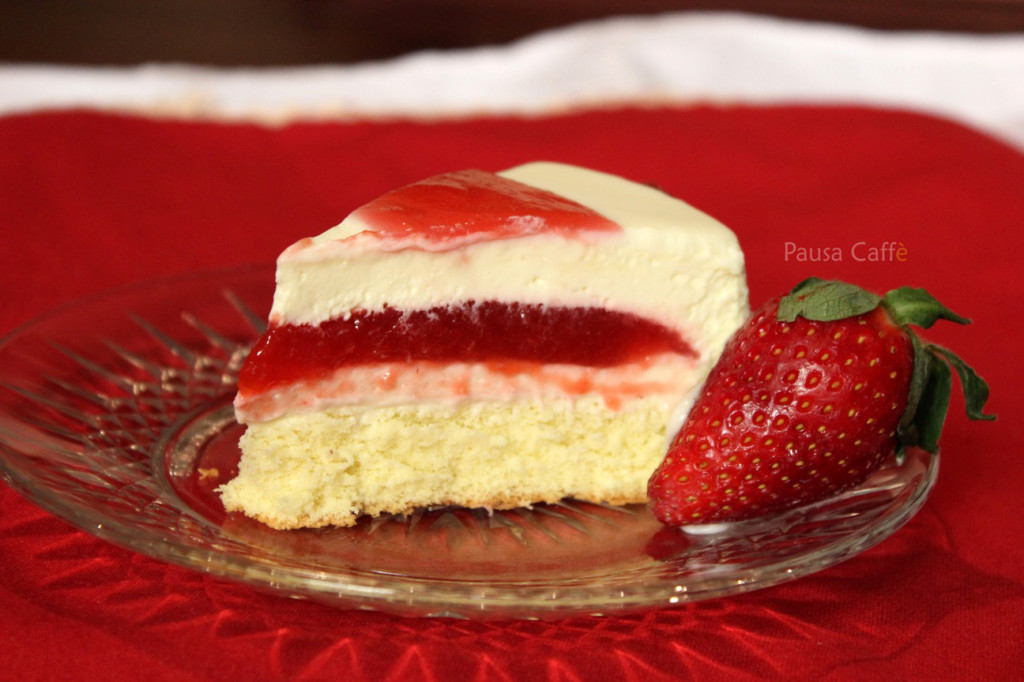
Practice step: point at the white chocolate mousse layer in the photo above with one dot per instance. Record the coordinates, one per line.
(670, 263)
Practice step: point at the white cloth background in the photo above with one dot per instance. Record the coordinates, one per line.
(692, 57)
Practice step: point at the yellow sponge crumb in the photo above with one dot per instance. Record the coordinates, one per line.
(328, 468)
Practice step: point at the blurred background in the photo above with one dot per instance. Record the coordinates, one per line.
(292, 32)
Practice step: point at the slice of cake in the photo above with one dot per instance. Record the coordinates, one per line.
(483, 340)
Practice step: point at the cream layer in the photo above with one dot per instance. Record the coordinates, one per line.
(665, 376)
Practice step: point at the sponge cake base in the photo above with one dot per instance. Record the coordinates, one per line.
(329, 467)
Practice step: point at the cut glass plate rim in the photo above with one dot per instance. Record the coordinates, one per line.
(186, 537)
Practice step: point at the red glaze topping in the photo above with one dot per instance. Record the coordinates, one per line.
(475, 204)
(489, 332)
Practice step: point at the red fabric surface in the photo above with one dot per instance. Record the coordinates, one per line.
(90, 201)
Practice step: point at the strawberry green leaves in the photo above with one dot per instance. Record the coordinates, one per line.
(975, 389)
(826, 301)
(923, 420)
(907, 305)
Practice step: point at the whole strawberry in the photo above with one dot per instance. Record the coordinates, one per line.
(808, 399)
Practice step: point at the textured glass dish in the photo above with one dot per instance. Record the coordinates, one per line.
(115, 414)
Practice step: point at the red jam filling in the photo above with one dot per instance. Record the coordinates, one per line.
(475, 203)
(469, 332)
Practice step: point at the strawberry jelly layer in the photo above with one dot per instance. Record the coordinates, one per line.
(489, 332)
(454, 206)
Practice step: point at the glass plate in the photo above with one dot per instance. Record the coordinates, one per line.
(115, 414)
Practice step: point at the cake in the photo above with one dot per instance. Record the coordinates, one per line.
(482, 339)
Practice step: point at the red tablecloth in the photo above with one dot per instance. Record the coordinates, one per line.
(90, 201)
